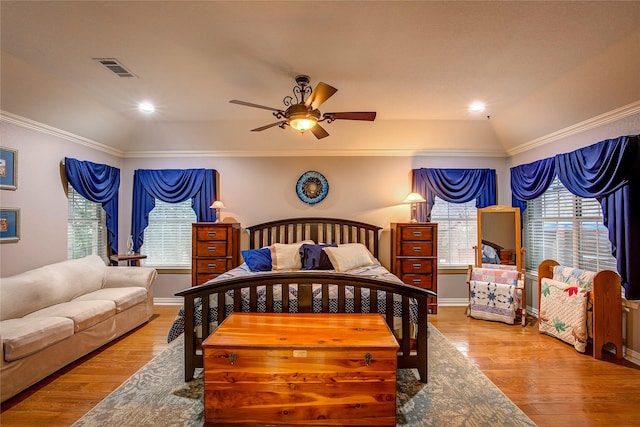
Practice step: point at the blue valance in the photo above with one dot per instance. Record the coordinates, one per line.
(99, 184)
(454, 186)
(608, 171)
(531, 181)
(171, 186)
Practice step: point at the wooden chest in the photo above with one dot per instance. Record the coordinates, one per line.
(307, 369)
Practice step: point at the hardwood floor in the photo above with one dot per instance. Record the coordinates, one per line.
(552, 383)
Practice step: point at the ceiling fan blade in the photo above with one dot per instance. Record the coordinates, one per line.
(268, 126)
(321, 93)
(249, 104)
(319, 131)
(361, 115)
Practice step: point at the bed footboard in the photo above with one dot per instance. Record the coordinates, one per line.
(412, 352)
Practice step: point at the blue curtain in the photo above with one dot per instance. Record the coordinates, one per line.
(172, 186)
(99, 184)
(454, 186)
(605, 171)
(608, 171)
(531, 181)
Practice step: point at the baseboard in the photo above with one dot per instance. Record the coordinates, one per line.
(453, 302)
(168, 301)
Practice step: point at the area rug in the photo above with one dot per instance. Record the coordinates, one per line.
(457, 394)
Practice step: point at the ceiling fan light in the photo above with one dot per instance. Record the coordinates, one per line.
(303, 123)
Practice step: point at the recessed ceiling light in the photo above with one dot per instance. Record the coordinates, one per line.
(476, 107)
(146, 107)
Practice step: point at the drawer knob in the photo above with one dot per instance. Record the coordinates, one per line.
(416, 281)
(367, 359)
(416, 249)
(416, 266)
(232, 358)
(212, 233)
(211, 248)
(211, 266)
(417, 233)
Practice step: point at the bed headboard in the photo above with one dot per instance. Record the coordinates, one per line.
(320, 230)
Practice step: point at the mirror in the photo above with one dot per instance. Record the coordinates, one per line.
(499, 236)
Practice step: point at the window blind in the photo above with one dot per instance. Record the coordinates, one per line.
(567, 228)
(86, 227)
(167, 238)
(457, 232)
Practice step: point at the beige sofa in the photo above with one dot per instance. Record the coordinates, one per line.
(53, 315)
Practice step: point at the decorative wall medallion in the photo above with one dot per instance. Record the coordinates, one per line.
(312, 187)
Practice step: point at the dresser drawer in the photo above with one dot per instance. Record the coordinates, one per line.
(211, 249)
(207, 266)
(203, 234)
(417, 233)
(420, 280)
(202, 278)
(416, 266)
(416, 249)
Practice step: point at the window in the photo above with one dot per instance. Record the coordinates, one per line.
(457, 232)
(167, 238)
(86, 227)
(569, 229)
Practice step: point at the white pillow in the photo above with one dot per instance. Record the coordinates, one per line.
(349, 256)
(286, 256)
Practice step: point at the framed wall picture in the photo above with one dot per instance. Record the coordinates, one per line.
(9, 225)
(8, 168)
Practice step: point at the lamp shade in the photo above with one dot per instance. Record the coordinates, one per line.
(217, 205)
(414, 198)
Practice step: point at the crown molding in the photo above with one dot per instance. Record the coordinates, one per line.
(314, 153)
(601, 120)
(17, 120)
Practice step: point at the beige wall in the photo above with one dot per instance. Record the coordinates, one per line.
(41, 196)
(256, 190)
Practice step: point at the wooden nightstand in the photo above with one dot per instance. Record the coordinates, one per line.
(414, 256)
(215, 249)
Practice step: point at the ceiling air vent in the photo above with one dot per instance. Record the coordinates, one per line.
(114, 66)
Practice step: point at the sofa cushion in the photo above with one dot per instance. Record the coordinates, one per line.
(125, 277)
(42, 287)
(124, 298)
(84, 314)
(23, 337)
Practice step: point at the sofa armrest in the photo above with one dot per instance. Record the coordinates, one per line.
(120, 277)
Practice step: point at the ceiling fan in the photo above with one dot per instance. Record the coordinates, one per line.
(303, 114)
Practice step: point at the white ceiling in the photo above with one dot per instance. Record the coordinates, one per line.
(540, 67)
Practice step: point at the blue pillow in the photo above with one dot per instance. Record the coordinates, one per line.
(258, 259)
(313, 257)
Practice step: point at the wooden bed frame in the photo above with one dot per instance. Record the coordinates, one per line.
(412, 352)
(606, 297)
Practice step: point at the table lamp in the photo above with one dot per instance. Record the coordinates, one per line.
(414, 199)
(217, 205)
